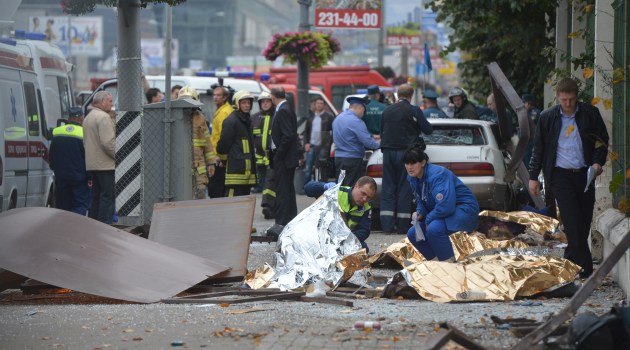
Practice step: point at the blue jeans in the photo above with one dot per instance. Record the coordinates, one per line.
(311, 158)
(437, 242)
(72, 196)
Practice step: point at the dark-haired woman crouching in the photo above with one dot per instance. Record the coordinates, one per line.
(444, 205)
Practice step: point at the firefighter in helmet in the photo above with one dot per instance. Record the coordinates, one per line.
(237, 142)
(203, 153)
(464, 109)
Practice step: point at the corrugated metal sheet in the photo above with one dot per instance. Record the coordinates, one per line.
(75, 252)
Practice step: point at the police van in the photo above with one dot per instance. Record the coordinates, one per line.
(35, 92)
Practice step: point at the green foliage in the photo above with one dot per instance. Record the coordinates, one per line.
(81, 7)
(513, 33)
(616, 183)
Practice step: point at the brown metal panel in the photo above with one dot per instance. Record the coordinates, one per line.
(75, 252)
(217, 229)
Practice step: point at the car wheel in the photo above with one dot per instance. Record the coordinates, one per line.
(12, 201)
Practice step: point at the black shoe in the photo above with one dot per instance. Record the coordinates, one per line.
(585, 274)
(274, 231)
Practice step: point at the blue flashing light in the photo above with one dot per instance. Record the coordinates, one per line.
(214, 73)
(205, 73)
(22, 34)
(8, 41)
(265, 77)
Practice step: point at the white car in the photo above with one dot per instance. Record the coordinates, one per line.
(469, 148)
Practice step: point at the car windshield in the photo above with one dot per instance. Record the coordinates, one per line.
(456, 135)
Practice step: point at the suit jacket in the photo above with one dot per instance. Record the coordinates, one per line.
(285, 138)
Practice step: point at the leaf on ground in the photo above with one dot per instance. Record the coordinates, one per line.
(128, 330)
(46, 338)
(395, 338)
(386, 346)
(224, 305)
(137, 339)
(482, 320)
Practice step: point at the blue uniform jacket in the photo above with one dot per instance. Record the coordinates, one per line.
(351, 136)
(439, 194)
(434, 112)
(67, 154)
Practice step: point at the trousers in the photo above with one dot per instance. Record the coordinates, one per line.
(72, 196)
(103, 198)
(437, 242)
(396, 194)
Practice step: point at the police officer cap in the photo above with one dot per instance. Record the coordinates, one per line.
(358, 100)
(75, 112)
(430, 94)
(527, 98)
(373, 89)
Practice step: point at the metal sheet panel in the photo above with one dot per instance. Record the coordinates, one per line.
(75, 252)
(217, 229)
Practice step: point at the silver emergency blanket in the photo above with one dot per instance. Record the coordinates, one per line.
(311, 246)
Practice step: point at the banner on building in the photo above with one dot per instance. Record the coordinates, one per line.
(75, 36)
(153, 53)
(403, 23)
(361, 14)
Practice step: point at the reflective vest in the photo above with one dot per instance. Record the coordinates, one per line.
(351, 213)
(261, 130)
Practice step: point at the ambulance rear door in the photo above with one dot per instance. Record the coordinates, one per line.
(38, 170)
(15, 145)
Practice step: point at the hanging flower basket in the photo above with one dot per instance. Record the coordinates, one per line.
(316, 48)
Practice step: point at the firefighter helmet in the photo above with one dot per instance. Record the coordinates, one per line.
(457, 91)
(242, 95)
(264, 96)
(189, 92)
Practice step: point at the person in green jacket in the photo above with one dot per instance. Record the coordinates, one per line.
(374, 110)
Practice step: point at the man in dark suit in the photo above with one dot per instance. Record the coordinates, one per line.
(284, 159)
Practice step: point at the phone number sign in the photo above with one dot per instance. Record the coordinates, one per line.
(332, 18)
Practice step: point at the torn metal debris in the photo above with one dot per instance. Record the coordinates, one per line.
(537, 222)
(75, 252)
(217, 229)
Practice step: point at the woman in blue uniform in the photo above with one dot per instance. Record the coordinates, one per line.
(444, 205)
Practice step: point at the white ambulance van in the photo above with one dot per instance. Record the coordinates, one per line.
(34, 93)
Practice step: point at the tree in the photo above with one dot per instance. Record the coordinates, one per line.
(81, 7)
(513, 33)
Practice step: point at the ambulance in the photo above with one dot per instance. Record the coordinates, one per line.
(35, 92)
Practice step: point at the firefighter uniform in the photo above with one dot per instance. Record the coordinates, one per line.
(203, 152)
(261, 130)
(237, 143)
(67, 160)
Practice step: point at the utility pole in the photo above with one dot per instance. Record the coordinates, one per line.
(381, 37)
(303, 68)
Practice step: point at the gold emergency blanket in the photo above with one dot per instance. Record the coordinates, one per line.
(315, 246)
(465, 244)
(537, 222)
(404, 253)
(491, 277)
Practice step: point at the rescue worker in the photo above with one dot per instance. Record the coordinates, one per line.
(354, 203)
(463, 108)
(204, 165)
(431, 110)
(67, 160)
(220, 96)
(444, 205)
(374, 111)
(261, 130)
(237, 143)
